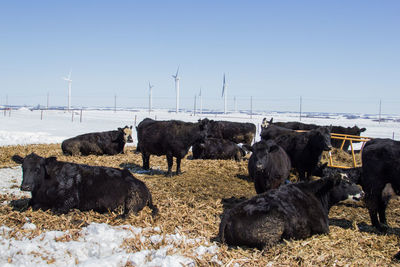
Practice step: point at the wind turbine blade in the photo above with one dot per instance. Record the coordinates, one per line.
(69, 76)
(176, 75)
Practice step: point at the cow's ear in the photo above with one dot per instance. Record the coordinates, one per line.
(130, 127)
(51, 159)
(119, 129)
(247, 147)
(18, 159)
(270, 121)
(362, 130)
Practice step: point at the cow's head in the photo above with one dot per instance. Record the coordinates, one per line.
(321, 138)
(344, 189)
(357, 131)
(127, 132)
(262, 153)
(204, 128)
(33, 169)
(265, 123)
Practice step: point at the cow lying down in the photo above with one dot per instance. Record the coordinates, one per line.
(98, 143)
(292, 211)
(61, 186)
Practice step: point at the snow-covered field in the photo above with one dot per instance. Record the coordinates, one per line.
(101, 244)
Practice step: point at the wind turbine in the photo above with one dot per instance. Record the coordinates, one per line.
(176, 77)
(69, 89)
(201, 103)
(224, 94)
(150, 96)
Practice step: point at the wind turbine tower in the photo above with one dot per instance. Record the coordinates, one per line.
(69, 89)
(201, 103)
(225, 95)
(176, 77)
(150, 96)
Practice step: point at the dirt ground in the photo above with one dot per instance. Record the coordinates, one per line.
(191, 203)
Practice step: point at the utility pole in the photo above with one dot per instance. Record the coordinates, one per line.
(194, 106)
(301, 100)
(380, 110)
(251, 107)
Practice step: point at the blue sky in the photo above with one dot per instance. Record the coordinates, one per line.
(340, 56)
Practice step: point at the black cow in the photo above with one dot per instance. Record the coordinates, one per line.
(238, 132)
(303, 148)
(62, 186)
(269, 165)
(353, 174)
(292, 211)
(171, 138)
(99, 143)
(380, 167)
(337, 143)
(215, 148)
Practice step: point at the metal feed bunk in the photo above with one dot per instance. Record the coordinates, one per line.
(350, 138)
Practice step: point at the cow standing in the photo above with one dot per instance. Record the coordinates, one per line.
(237, 132)
(269, 165)
(380, 175)
(292, 211)
(98, 143)
(303, 148)
(171, 138)
(215, 148)
(62, 186)
(337, 143)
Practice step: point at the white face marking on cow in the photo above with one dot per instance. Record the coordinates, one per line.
(128, 135)
(343, 175)
(264, 123)
(356, 197)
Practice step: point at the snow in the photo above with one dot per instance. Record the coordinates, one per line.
(102, 244)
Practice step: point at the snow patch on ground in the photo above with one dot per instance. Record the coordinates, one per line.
(97, 245)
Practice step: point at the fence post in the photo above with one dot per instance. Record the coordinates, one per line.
(80, 117)
(393, 136)
(135, 119)
(41, 114)
(72, 116)
(9, 113)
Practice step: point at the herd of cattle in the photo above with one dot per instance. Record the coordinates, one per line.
(280, 210)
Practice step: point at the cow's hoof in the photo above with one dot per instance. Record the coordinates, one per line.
(168, 174)
(382, 227)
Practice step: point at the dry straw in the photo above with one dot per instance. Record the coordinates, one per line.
(191, 204)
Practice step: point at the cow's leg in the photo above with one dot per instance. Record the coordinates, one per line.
(382, 211)
(302, 175)
(170, 161)
(372, 205)
(178, 166)
(146, 160)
